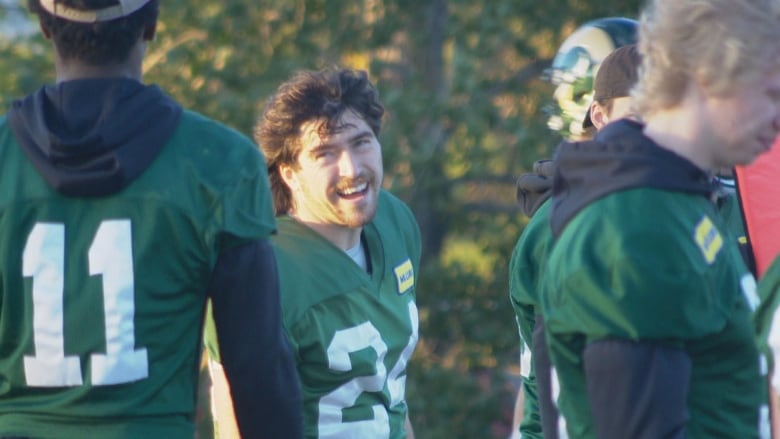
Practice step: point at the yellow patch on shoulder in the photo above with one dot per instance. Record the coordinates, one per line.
(708, 238)
(404, 274)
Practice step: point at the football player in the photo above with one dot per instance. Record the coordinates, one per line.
(588, 52)
(122, 213)
(348, 255)
(646, 299)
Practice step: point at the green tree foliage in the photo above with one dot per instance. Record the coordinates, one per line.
(461, 83)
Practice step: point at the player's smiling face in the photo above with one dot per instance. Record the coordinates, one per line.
(338, 173)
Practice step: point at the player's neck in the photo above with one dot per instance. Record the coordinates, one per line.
(683, 129)
(681, 132)
(664, 131)
(131, 68)
(342, 237)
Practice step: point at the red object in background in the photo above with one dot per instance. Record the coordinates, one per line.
(759, 195)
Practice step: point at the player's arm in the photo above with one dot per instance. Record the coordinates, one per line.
(223, 417)
(772, 338)
(774, 411)
(517, 414)
(542, 365)
(408, 427)
(253, 351)
(637, 389)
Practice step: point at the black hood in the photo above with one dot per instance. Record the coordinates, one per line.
(620, 157)
(92, 137)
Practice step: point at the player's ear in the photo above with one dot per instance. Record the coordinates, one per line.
(598, 115)
(150, 31)
(44, 30)
(288, 176)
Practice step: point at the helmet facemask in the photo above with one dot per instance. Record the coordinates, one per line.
(575, 66)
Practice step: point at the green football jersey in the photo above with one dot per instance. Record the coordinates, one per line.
(732, 216)
(102, 299)
(531, 424)
(767, 318)
(352, 332)
(525, 268)
(646, 264)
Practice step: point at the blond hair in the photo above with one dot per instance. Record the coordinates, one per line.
(714, 43)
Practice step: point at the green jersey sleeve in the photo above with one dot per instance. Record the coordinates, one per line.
(767, 318)
(241, 203)
(613, 275)
(525, 267)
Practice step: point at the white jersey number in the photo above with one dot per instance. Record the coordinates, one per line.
(110, 255)
(365, 335)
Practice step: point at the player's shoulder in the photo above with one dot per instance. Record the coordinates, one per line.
(304, 253)
(646, 236)
(636, 255)
(766, 322)
(213, 151)
(391, 203)
(5, 129)
(6, 135)
(770, 281)
(769, 295)
(394, 213)
(529, 256)
(541, 218)
(292, 236)
(200, 124)
(642, 220)
(396, 226)
(536, 235)
(203, 136)
(311, 269)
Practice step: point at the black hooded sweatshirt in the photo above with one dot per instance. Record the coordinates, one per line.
(92, 137)
(619, 158)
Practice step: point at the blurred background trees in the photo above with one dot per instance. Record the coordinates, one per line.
(462, 84)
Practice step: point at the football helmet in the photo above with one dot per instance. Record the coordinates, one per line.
(575, 65)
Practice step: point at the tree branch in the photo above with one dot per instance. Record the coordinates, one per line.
(159, 53)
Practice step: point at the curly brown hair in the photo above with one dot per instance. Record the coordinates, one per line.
(311, 95)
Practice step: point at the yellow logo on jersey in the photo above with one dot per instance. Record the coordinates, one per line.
(708, 238)
(404, 274)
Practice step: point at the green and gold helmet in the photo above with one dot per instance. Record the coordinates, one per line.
(575, 66)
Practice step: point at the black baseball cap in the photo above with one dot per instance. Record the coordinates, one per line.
(616, 76)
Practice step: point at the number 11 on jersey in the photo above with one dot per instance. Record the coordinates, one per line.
(110, 255)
